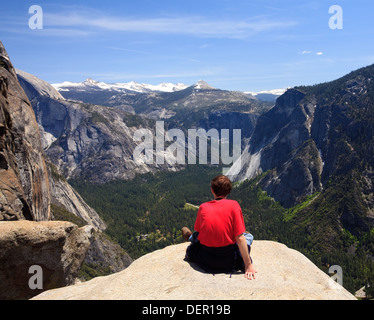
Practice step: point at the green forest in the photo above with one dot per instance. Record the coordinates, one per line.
(148, 212)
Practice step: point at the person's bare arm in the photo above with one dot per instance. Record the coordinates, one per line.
(249, 269)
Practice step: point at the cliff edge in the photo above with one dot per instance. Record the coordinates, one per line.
(56, 248)
(283, 274)
(24, 185)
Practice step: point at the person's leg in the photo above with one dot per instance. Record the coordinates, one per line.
(193, 249)
(193, 237)
(248, 237)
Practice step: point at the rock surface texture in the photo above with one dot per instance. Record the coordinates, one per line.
(283, 274)
(59, 248)
(24, 188)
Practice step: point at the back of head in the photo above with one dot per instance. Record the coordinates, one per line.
(221, 186)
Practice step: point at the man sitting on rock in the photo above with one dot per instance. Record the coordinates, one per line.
(220, 242)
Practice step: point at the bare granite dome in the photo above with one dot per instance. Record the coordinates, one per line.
(283, 273)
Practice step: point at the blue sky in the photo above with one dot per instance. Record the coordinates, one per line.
(234, 45)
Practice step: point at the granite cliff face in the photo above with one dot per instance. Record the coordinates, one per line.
(281, 143)
(24, 187)
(221, 119)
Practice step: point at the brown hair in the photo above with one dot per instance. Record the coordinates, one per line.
(221, 186)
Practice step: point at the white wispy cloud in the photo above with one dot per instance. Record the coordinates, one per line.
(187, 25)
(319, 53)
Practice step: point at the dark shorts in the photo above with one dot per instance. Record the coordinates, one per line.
(216, 260)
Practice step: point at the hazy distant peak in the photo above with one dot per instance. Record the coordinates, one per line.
(201, 84)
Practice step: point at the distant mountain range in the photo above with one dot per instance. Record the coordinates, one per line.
(135, 87)
(132, 86)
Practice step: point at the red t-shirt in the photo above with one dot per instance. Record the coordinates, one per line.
(219, 222)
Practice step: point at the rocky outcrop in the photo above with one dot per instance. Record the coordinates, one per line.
(24, 188)
(58, 248)
(283, 274)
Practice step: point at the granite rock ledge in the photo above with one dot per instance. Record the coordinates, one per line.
(283, 274)
(57, 247)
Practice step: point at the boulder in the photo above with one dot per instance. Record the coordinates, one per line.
(57, 248)
(283, 274)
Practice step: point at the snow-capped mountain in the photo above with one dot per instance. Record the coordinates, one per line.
(267, 95)
(120, 87)
(275, 92)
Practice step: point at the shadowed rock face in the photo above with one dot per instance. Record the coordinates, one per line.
(24, 187)
(282, 274)
(281, 145)
(57, 247)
